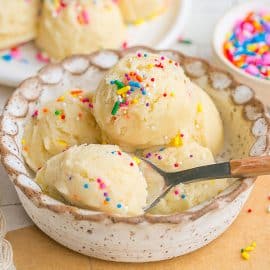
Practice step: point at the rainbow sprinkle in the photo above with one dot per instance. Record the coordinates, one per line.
(136, 83)
(248, 46)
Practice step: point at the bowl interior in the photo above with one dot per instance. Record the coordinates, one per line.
(225, 25)
(245, 123)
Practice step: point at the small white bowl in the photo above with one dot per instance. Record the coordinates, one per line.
(224, 26)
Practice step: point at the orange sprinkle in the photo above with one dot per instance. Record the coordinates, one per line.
(76, 92)
(139, 78)
(45, 110)
(80, 114)
(25, 148)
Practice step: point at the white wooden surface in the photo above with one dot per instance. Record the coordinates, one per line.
(199, 28)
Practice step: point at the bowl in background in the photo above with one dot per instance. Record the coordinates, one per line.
(224, 26)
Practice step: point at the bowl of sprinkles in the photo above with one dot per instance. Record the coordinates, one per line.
(241, 44)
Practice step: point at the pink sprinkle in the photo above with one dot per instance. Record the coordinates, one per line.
(42, 58)
(252, 69)
(176, 192)
(99, 180)
(85, 16)
(85, 100)
(102, 186)
(15, 53)
(266, 58)
(124, 45)
(139, 54)
(35, 113)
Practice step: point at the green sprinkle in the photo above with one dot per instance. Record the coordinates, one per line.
(119, 84)
(185, 41)
(57, 112)
(115, 107)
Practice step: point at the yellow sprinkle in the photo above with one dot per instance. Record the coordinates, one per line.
(23, 141)
(212, 182)
(249, 248)
(123, 90)
(137, 160)
(134, 101)
(62, 98)
(199, 108)
(149, 66)
(172, 94)
(63, 143)
(263, 49)
(253, 244)
(177, 141)
(252, 47)
(245, 255)
(138, 22)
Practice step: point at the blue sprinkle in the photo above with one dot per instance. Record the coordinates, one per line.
(143, 92)
(183, 196)
(119, 205)
(145, 55)
(107, 199)
(86, 186)
(134, 84)
(112, 82)
(7, 57)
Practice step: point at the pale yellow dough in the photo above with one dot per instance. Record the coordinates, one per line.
(172, 106)
(208, 124)
(47, 134)
(88, 174)
(136, 11)
(18, 21)
(138, 125)
(81, 27)
(174, 159)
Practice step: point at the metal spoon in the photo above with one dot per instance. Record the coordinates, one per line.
(237, 168)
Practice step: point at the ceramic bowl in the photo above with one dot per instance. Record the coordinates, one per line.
(147, 237)
(224, 26)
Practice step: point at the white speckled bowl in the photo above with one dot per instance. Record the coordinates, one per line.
(143, 238)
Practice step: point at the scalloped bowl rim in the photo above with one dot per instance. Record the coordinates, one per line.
(37, 197)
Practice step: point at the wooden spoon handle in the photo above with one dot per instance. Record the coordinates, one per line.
(252, 166)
